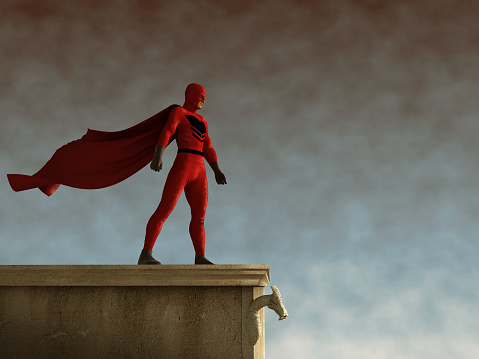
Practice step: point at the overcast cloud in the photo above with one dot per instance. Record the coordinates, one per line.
(347, 131)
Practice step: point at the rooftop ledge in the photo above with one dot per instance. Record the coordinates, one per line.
(244, 275)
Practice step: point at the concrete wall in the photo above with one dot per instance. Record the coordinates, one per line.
(128, 311)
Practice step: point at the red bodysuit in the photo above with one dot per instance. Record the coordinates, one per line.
(188, 170)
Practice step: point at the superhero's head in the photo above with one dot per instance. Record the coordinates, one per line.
(194, 96)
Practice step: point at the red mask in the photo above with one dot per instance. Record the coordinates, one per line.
(194, 93)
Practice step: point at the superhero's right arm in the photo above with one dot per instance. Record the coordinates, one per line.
(166, 133)
(157, 163)
(170, 127)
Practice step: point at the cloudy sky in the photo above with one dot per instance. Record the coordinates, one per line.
(347, 131)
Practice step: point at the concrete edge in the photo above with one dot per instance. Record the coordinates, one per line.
(256, 275)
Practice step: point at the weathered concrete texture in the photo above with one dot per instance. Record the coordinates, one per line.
(134, 275)
(115, 321)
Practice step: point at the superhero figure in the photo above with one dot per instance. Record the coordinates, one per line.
(188, 172)
(101, 159)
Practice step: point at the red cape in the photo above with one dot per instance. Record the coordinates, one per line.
(99, 159)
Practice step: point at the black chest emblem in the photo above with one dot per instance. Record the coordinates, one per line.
(198, 128)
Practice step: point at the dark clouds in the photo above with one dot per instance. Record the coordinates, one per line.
(347, 131)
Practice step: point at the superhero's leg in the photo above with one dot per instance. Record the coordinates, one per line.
(196, 193)
(175, 182)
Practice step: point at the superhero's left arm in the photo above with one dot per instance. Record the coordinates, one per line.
(219, 176)
(210, 156)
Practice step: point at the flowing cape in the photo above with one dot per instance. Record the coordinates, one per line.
(97, 160)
